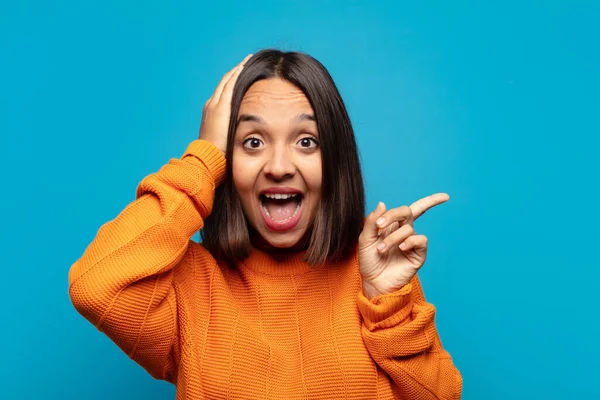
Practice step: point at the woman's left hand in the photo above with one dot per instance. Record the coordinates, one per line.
(389, 251)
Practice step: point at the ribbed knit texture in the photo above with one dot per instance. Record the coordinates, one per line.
(270, 327)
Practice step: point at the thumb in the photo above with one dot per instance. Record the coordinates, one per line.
(370, 232)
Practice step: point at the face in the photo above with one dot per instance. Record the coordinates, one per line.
(277, 162)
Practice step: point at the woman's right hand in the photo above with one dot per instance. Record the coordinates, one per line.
(217, 110)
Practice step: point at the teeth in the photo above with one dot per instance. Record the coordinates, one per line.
(279, 196)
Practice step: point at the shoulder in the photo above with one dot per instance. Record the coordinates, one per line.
(199, 252)
(196, 262)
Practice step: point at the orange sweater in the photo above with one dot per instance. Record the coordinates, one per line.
(271, 327)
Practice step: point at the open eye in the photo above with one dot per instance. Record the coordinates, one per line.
(252, 143)
(308, 143)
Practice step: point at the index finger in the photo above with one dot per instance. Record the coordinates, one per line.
(420, 206)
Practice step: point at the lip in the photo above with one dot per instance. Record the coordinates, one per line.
(281, 190)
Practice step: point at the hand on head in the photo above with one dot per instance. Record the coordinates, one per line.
(217, 109)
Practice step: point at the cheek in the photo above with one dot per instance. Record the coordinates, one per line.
(314, 175)
(243, 176)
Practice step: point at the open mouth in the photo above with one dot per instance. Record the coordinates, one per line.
(281, 211)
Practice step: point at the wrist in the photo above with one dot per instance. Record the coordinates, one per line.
(217, 143)
(387, 310)
(206, 153)
(370, 291)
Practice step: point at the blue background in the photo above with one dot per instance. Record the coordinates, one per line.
(496, 104)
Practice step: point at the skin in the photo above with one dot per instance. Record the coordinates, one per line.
(390, 252)
(278, 149)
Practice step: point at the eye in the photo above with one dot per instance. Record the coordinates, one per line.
(308, 143)
(252, 143)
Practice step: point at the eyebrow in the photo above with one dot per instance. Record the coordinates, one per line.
(259, 120)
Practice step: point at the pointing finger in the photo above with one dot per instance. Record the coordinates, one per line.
(421, 206)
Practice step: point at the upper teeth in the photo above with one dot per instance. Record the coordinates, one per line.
(279, 196)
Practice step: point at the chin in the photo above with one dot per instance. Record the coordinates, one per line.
(276, 240)
(282, 241)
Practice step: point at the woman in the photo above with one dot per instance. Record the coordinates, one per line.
(293, 293)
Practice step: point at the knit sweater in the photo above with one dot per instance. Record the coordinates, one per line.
(268, 327)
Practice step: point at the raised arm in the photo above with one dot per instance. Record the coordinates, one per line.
(398, 324)
(123, 283)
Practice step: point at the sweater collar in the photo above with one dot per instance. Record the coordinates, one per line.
(278, 263)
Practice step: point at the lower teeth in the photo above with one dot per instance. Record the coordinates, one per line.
(283, 220)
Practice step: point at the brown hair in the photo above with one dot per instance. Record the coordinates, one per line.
(340, 214)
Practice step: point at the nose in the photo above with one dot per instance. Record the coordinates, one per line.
(280, 165)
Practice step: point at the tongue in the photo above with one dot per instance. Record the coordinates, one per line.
(281, 210)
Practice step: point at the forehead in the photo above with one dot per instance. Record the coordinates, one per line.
(275, 97)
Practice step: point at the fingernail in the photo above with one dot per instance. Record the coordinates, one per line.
(403, 245)
(381, 246)
(380, 221)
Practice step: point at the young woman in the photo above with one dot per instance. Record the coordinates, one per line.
(292, 292)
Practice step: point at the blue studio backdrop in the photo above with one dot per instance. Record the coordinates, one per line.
(495, 104)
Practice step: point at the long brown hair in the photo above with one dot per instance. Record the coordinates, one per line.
(340, 214)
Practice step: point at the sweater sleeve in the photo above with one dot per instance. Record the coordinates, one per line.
(399, 332)
(123, 281)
